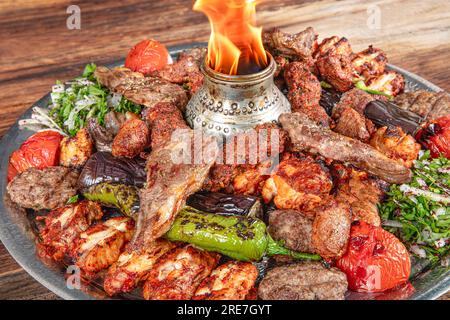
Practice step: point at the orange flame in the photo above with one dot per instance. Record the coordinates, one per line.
(235, 45)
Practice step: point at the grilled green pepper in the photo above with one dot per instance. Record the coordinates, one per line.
(120, 196)
(241, 238)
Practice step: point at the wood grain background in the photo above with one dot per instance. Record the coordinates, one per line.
(36, 49)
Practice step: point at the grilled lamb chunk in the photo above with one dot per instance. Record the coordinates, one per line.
(304, 92)
(186, 70)
(293, 228)
(429, 105)
(337, 70)
(132, 139)
(146, 91)
(299, 46)
(349, 115)
(303, 281)
(163, 119)
(361, 192)
(170, 180)
(331, 230)
(49, 188)
(307, 136)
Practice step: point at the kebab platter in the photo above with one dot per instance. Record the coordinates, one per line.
(265, 165)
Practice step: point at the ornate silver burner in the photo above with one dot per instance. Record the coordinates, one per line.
(226, 104)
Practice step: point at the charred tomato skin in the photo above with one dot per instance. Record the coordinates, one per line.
(41, 150)
(147, 56)
(375, 260)
(435, 136)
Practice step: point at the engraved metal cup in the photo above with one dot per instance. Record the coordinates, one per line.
(228, 104)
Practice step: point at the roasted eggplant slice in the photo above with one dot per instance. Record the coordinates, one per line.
(226, 204)
(384, 113)
(103, 167)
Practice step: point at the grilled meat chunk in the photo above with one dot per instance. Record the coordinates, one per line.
(362, 193)
(303, 281)
(293, 228)
(299, 46)
(305, 92)
(77, 150)
(132, 138)
(133, 266)
(331, 230)
(178, 273)
(370, 62)
(333, 45)
(396, 145)
(244, 164)
(429, 105)
(170, 181)
(231, 281)
(251, 179)
(307, 136)
(186, 70)
(64, 225)
(349, 115)
(164, 119)
(146, 91)
(49, 188)
(100, 246)
(298, 183)
(389, 82)
(337, 70)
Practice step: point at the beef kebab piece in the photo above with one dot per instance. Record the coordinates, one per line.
(307, 136)
(303, 281)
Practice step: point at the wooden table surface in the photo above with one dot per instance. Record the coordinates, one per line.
(37, 48)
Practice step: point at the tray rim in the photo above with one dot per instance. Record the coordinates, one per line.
(22, 248)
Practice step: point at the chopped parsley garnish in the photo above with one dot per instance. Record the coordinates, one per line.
(419, 212)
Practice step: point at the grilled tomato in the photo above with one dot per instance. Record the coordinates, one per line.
(41, 150)
(147, 56)
(435, 136)
(375, 260)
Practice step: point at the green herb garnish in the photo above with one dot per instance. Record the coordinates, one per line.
(419, 212)
(73, 199)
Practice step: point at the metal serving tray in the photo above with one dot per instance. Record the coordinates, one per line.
(17, 236)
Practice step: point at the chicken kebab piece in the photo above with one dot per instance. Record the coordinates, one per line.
(299, 183)
(133, 266)
(243, 166)
(233, 280)
(63, 226)
(178, 273)
(100, 246)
